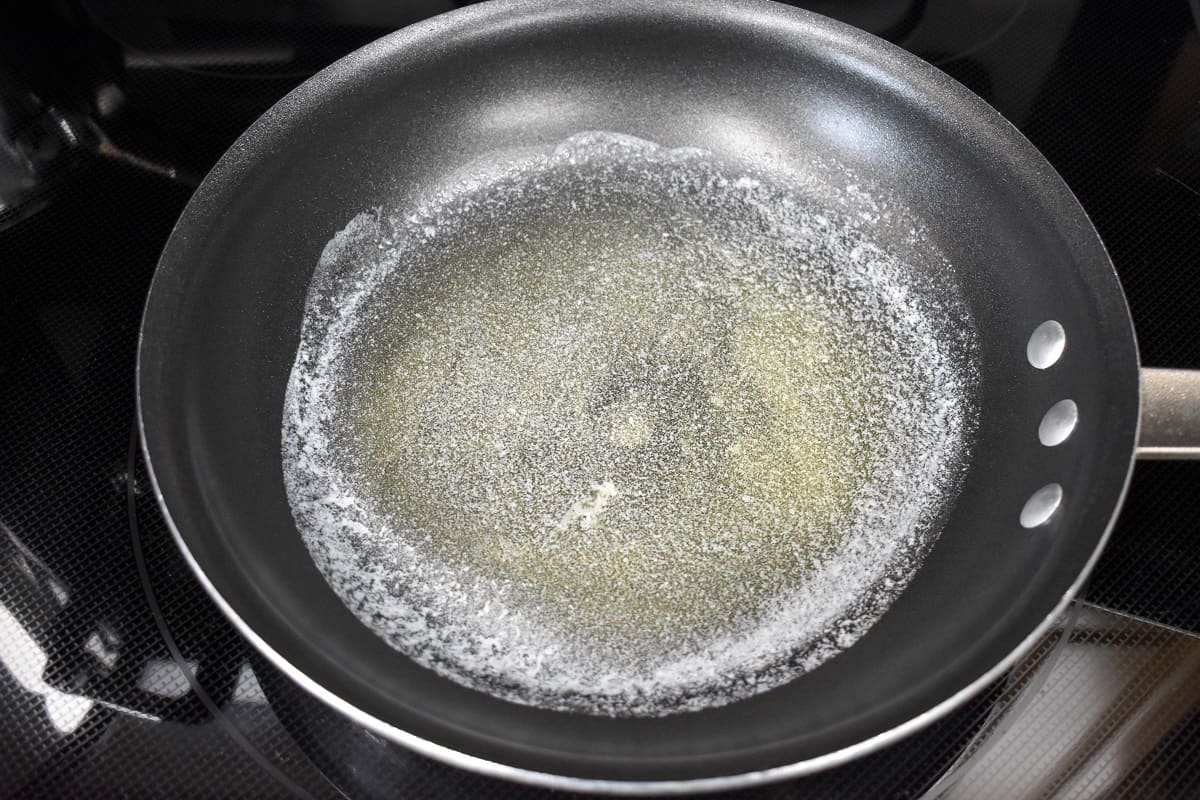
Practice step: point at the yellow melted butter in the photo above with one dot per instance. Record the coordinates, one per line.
(645, 439)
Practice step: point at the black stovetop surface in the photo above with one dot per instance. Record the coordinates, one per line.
(118, 677)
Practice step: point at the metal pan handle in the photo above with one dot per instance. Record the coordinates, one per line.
(1170, 414)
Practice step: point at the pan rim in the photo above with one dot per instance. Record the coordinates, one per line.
(627, 787)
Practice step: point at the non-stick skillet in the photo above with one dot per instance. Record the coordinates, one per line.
(750, 81)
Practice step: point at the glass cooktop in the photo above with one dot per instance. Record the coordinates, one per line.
(118, 677)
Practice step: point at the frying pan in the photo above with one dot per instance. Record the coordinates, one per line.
(752, 82)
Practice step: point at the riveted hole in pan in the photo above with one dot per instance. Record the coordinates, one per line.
(1059, 423)
(1041, 505)
(1046, 344)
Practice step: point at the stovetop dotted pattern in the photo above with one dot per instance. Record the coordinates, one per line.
(120, 678)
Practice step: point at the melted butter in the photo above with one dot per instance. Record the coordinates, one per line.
(725, 422)
(614, 430)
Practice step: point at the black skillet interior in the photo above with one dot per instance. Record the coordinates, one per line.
(753, 82)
